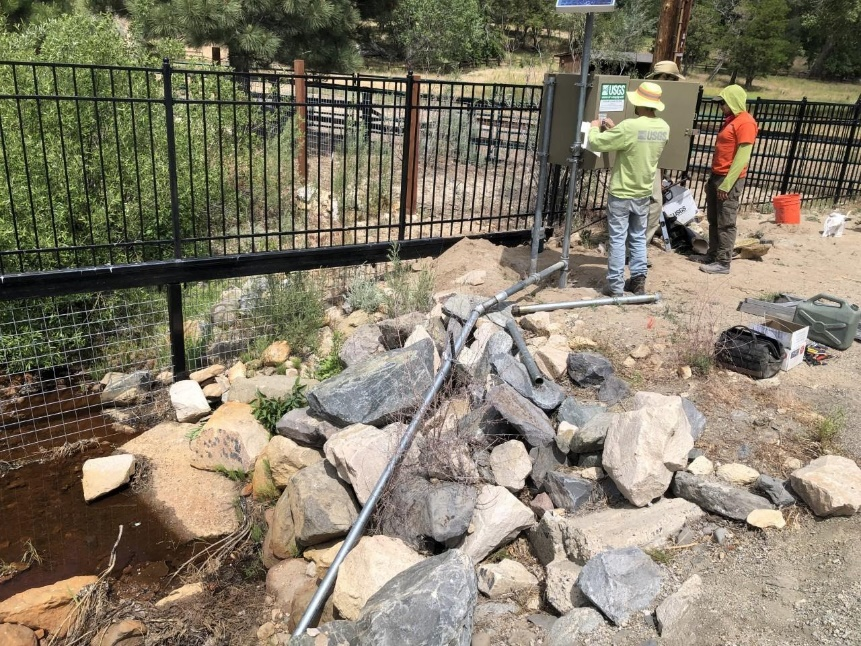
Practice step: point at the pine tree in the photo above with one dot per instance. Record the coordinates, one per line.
(258, 32)
(762, 45)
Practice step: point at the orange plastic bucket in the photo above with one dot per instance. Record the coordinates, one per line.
(787, 208)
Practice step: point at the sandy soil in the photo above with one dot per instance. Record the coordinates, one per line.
(794, 586)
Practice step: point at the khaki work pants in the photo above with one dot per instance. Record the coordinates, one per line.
(722, 217)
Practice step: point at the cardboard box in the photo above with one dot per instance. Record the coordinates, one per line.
(792, 336)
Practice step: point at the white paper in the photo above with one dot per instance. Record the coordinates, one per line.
(585, 127)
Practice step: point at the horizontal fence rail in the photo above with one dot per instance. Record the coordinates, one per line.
(144, 176)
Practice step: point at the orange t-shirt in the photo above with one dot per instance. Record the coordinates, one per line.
(740, 129)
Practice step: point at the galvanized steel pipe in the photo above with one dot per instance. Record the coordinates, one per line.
(525, 356)
(519, 310)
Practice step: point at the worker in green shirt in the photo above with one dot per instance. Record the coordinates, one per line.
(638, 143)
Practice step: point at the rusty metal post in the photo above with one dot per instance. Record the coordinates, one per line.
(301, 99)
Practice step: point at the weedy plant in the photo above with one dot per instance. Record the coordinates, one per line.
(408, 291)
(363, 293)
(268, 410)
(237, 475)
(331, 364)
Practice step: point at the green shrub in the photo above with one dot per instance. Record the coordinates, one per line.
(363, 293)
(408, 291)
(331, 364)
(268, 410)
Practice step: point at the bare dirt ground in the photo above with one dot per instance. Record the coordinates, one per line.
(799, 585)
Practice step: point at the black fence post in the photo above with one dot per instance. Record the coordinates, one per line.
(850, 144)
(793, 146)
(407, 161)
(174, 290)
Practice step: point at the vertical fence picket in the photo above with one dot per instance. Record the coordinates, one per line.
(850, 145)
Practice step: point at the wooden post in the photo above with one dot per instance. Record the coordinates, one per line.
(667, 24)
(301, 99)
(412, 159)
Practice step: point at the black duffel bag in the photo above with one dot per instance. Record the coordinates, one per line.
(749, 352)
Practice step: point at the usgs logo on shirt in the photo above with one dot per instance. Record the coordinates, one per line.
(652, 135)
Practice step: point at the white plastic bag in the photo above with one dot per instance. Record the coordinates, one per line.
(834, 225)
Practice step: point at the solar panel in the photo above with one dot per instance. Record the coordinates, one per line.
(584, 6)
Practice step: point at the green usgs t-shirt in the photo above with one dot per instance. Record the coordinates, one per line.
(638, 143)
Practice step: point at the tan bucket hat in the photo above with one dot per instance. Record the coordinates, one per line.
(666, 67)
(647, 95)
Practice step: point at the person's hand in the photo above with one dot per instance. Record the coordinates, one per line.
(596, 123)
(608, 122)
(722, 195)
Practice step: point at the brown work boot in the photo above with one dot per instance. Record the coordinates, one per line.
(636, 285)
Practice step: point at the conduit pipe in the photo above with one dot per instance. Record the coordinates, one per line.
(519, 310)
(546, 123)
(450, 356)
(525, 356)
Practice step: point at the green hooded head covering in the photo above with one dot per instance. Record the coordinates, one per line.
(735, 97)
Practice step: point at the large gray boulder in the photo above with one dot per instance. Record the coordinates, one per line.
(305, 429)
(777, 491)
(567, 490)
(567, 629)
(321, 504)
(524, 416)
(590, 437)
(545, 459)
(377, 390)
(431, 603)
(716, 497)
(360, 454)
(448, 509)
(578, 414)
(510, 464)
(621, 582)
(830, 485)
(588, 368)
(497, 520)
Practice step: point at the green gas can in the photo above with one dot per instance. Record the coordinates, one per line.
(833, 321)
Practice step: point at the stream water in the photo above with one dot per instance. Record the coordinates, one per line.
(43, 512)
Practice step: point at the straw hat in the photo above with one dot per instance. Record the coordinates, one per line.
(666, 67)
(648, 95)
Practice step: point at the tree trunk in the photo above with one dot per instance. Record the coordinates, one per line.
(816, 69)
(733, 77)
(748, 82)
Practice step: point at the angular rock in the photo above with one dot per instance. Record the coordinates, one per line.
(830, 485)
(407, 521)
(125, 390)
(101, 476)
(544, 460)
(553, 360)
(377, 390)
(323, 554)
(372, 563)
(123, 633)
(613, 390)
(568, 491)
(568, 629)
(360, 454)
(777, 491)
(301, 600)
(510, 464)
(322, 506)
(701, 466)
(362, 344)
(236, 371)
(586, 460)
(529, 420)
(504, 578)
(275, 354)
(538, 323)
(591, 436)
(546, 538)
(460, 306)
(197, 505)
(497, 520)
(578, 414)
(274, 386)
(231, 439)
(281, 537)
(284, 579)
(215, 391)
(620, 582)
(644, 447)
(737, 474)
(564, 433)
(541, 504)
(47, 607)
(588, 368)
(561, 586)
(17, 635)
(419, 334)
(396, 331)
(695, 417)
(716, 497)
(674, 608)
(301, 427)
(548, 396)
(285, 458)
(448, 510)
(188, 401)
(181, 595)
(765, 518)
(587, 536)
(475, 277)
(438, 597)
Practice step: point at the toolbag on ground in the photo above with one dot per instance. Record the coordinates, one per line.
(748, 352)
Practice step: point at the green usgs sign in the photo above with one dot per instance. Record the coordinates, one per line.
(612, 97)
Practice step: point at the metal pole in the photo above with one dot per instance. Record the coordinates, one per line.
(450, 355)
(518, 310)
(525, 356)
(576, 148)
(546, 118)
